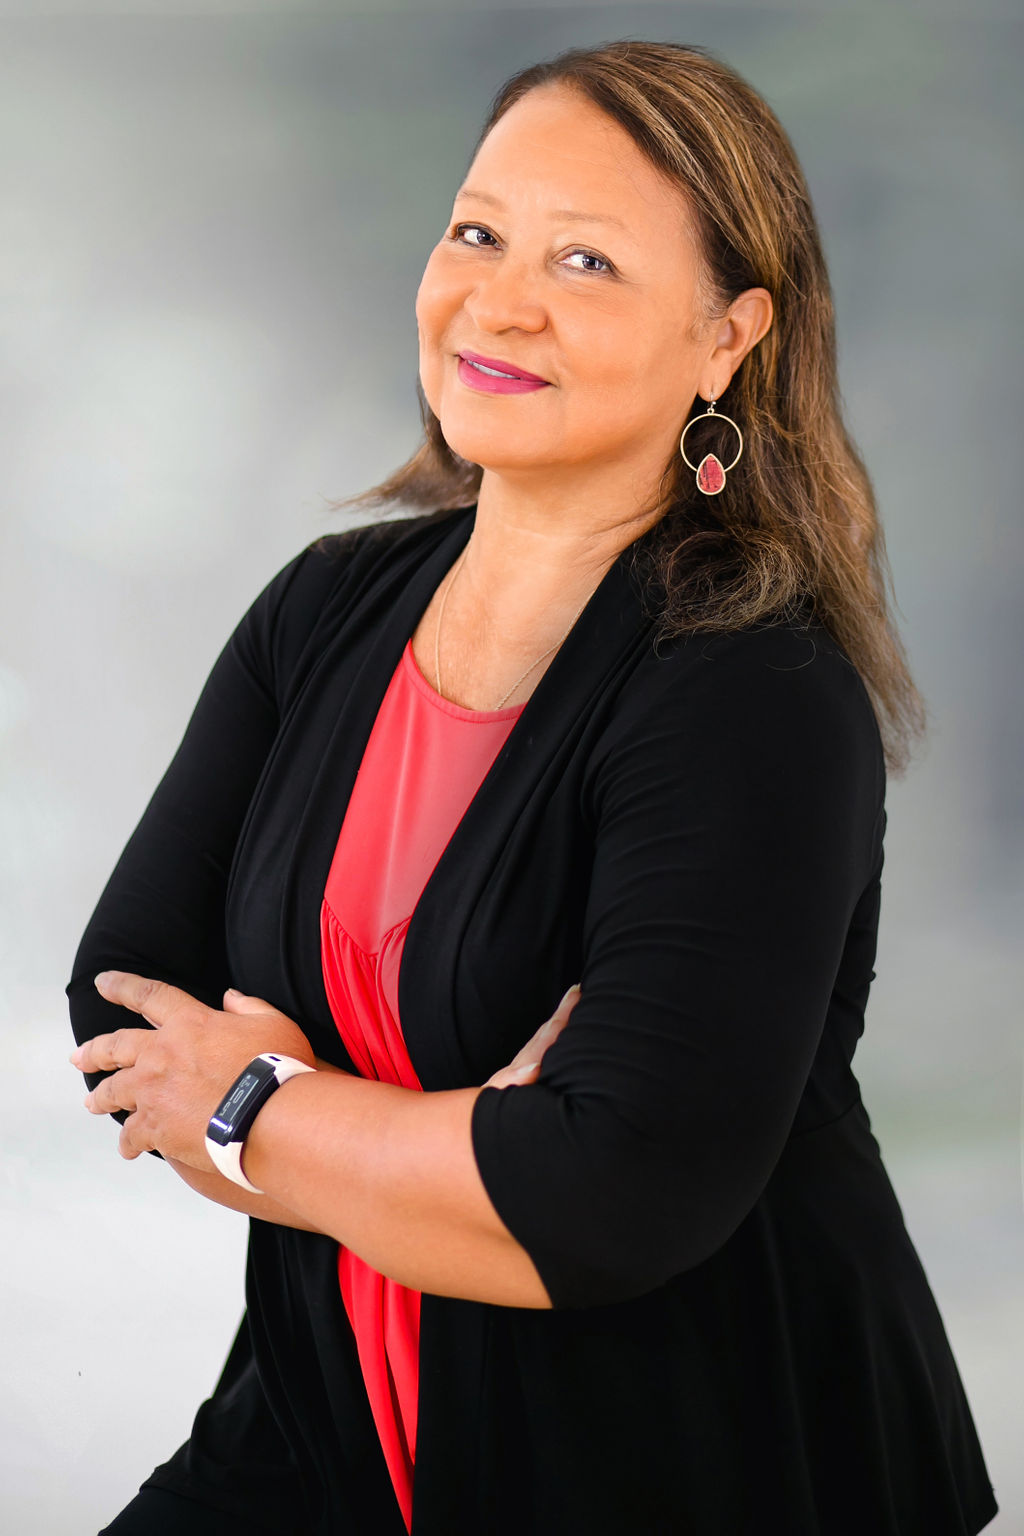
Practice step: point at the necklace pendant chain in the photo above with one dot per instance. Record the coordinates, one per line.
(437, 637)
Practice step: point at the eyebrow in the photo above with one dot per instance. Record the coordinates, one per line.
(571, 214)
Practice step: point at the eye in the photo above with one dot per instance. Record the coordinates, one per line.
(457, 239)
(456, 234)
(591, 256)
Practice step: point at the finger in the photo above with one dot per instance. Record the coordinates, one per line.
(526, 1063)
(130, 1144)
(241, 1002)
(513, 1076)
(571, 998)
(157, 1001)
(107, 1053)
(549, 1030)
(116, 1092)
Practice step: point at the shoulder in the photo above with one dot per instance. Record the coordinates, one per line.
(375, 540)
(775, 703)
(351, 554)
(281, 624)
(791, 673)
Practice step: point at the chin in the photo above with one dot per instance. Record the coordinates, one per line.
(471, 441)
(490, 451)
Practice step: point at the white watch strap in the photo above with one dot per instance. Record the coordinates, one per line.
(228, 1160)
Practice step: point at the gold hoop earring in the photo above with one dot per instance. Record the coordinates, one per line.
(711, 472)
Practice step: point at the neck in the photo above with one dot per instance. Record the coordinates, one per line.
(531, 561)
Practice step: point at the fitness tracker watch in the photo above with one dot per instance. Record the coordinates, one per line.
(232, 1120)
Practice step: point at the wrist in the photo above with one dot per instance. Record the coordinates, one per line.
(233, 1119)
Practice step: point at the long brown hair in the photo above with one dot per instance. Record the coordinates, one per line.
(796, 530)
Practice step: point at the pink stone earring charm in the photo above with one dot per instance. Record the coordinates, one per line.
(711, 472)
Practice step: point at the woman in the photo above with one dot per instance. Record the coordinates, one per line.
(614, 707)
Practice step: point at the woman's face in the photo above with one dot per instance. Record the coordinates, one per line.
(568, 256)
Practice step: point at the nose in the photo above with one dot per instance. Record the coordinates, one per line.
(505, 298)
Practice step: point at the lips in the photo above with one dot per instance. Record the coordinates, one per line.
(502, 366)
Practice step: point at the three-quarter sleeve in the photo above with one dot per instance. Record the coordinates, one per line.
(161, 913)
(738, 804)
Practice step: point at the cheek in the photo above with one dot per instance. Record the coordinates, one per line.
(634, 378)
(611, 374)
(604, 346)
(430, 322)
(435, 299)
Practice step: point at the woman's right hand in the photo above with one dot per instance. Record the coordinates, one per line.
(525, 1064)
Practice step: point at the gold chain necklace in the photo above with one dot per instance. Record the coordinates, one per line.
(437, 635)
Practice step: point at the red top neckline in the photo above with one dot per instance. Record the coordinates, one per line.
(419, 772)
(459, 711)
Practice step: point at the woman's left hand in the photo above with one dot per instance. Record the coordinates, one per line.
(172, 1077)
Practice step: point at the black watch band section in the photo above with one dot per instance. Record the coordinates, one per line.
(232, 1120)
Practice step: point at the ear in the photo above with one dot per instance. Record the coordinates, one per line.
(748, 318)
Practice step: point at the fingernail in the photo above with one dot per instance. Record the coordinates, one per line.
(103, 978)
(232, 992)
(574, 988)
(530, 1066)
(75, 1056)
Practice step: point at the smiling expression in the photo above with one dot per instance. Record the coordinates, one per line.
(570, 257)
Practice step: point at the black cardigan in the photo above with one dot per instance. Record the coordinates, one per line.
(742, 1339)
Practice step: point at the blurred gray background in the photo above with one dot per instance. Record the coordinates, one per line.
(212, 227)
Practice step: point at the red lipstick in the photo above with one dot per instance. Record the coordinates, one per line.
(507, 379)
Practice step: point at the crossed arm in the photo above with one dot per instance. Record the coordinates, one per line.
(388, 1171)
(739, 807)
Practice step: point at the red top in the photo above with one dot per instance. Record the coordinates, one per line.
(423, 763)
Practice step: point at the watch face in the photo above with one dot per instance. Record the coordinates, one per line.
(241, 1104)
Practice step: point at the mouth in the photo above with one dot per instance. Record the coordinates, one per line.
(496, 367)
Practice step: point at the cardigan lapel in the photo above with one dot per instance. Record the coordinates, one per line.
(601, 646)
(293, 828)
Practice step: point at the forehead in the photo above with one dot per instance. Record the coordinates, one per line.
(555, 150)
